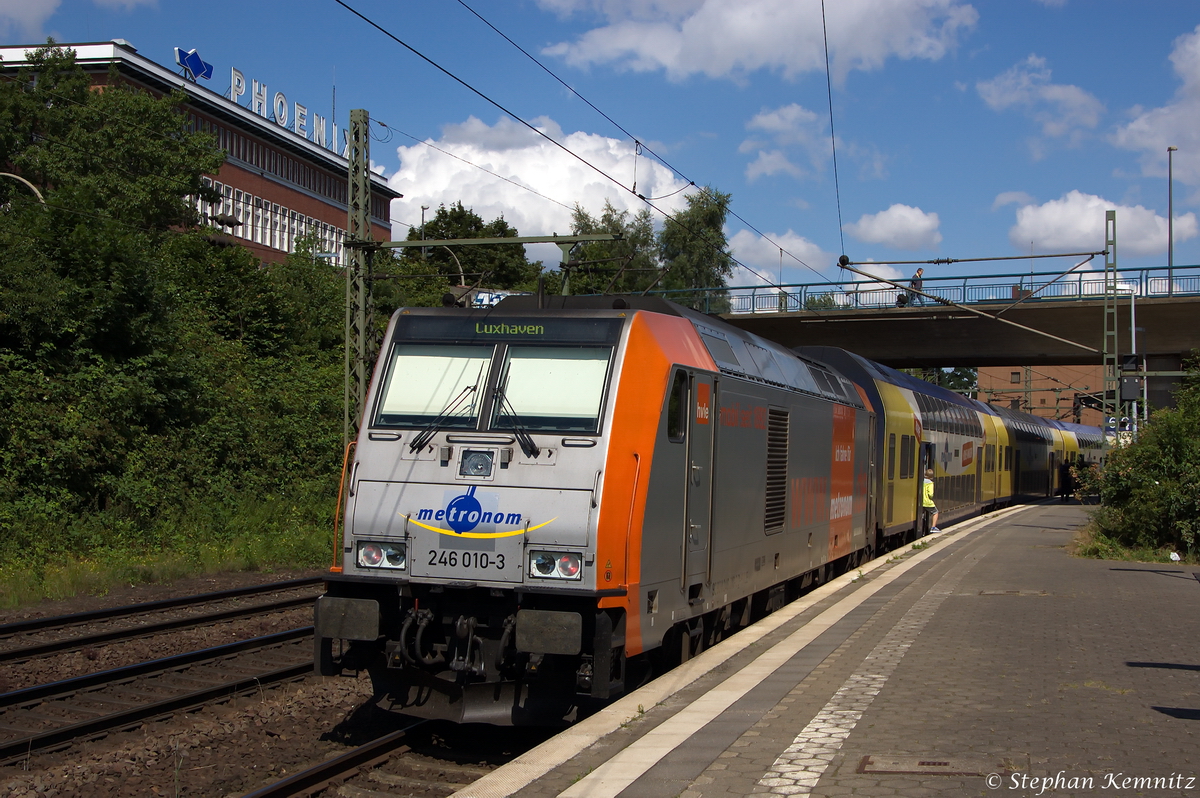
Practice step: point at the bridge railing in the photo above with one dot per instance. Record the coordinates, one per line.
(968, 290)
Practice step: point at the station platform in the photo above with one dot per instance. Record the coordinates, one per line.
(983, 661)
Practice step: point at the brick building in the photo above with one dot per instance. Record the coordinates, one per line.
(284, 174)
(1047, 391)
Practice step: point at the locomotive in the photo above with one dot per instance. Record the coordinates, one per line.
(552, 497)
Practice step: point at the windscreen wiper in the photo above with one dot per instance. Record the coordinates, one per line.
(522, 435)
(423, 437)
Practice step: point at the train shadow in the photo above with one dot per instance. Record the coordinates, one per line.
(1181, 713)
(462, 743)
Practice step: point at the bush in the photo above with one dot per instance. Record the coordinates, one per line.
(1150, 490)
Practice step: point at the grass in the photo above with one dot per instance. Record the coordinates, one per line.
(95, 555)
(1091, 543)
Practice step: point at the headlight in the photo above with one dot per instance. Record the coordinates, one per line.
(555, 565)
(568, 566)
(382, 555)
(475, 463)
(370, 554)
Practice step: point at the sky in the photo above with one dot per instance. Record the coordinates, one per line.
(964, 130)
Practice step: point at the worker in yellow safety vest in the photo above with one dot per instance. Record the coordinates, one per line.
(930, 509)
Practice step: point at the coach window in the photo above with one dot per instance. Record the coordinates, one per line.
(677, 404)
(892, 456)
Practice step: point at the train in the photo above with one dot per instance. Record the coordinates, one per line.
(552, 499)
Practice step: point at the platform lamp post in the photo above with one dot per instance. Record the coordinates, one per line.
(423, 209)
(1170, 224)
(31, 186)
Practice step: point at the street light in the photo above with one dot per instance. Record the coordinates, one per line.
(423, 209)
(1170, 225)
(462, 280)
(31, 186)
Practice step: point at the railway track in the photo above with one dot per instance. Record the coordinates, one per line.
(55, 715)
(386, 766)
(40, 637)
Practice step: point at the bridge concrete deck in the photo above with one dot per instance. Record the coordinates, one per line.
(936, 335)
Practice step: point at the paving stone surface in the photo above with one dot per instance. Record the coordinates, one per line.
(1001, 666)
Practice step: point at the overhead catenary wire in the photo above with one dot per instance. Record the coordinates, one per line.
(477, 166)
(643, 147)
(540, 133)
(837, 190)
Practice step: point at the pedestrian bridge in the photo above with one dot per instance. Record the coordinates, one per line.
(1161, 306)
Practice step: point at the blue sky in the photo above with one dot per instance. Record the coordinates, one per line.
(964, 129)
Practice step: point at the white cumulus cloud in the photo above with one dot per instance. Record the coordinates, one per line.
(718, 38)
(1011, 198)
(763, 255)
(1075, 223)
(772, 162)
(778, 131)
(1176, 124)
(1062, 110)
(24, 18)
(126, 5)
(900, 226)
(521, 163)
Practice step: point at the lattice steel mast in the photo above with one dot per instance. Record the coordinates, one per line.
(358, 338)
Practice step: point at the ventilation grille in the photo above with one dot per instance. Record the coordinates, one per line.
(777, 471)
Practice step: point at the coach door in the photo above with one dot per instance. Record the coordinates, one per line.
(872, 510)
(698, 489)
(926, 459)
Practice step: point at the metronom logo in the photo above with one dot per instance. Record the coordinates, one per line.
(464, 514)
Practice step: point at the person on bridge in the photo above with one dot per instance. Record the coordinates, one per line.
(929, 509)
(916, 283)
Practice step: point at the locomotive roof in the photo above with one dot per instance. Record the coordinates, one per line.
(736, 352)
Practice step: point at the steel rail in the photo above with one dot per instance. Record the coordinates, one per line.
(321, 775)
(130, 632)
(43, 692)
(35, 624)
(21, 747)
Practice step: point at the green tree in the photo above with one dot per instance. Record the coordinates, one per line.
(626, 265)
(502, 266)
(1150, 490)
(820, 302)
(962, 379)
(153, 381)
(695, 254)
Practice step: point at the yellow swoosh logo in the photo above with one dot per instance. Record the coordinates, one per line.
(454, 534)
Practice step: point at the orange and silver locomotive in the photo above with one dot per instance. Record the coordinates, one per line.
(545, 503)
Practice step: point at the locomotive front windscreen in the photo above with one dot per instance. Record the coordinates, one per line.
(425, 381)
(553, 389)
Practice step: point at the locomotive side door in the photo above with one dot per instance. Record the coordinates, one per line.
(699, 484)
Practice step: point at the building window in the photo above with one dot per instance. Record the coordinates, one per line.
(1014, 377)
